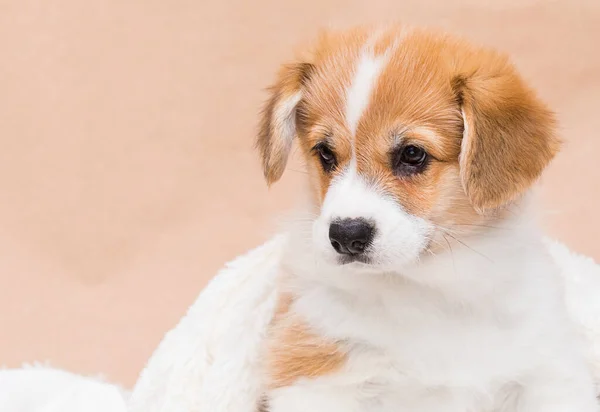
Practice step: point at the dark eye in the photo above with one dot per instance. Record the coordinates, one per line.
(326, 156)
(410, 160)
(413, 155)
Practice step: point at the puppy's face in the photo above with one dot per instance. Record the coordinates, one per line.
(408, 137)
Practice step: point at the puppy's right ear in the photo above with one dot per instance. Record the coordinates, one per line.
(278, 121)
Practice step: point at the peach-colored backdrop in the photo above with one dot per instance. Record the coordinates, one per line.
(127, 175)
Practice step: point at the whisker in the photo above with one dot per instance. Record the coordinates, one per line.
(451, 254)
(469, 247)
(484, 226)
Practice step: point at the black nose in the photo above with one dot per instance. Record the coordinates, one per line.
(350, 236)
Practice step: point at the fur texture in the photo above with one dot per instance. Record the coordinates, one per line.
(174, 375)
(173, 378)
(41, 388)
(210, 361)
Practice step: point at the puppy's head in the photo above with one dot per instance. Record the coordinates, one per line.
(407, 135)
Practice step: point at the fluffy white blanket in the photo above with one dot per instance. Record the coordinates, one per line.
(208, 362)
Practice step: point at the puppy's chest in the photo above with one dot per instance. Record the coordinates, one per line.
(384, 349)
(434, 350)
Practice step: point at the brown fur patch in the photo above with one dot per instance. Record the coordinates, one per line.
(294, 351)
(510, 136)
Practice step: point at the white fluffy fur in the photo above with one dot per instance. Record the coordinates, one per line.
(209, 362)
(174, 376)
(214, 347)
(44, 389)
(482, 327)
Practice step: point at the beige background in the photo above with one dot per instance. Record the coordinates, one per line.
(127, 175)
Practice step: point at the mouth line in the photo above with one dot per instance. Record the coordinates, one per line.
(360, 259)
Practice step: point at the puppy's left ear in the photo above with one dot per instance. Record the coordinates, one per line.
(278, 122)
(509, 135)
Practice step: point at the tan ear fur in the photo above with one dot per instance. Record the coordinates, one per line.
(278, 122)
(509, 136)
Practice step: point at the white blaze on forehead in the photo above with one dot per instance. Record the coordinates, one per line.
(358, 94)
(366, 74)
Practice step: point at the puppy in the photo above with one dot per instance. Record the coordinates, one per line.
(417, 281)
